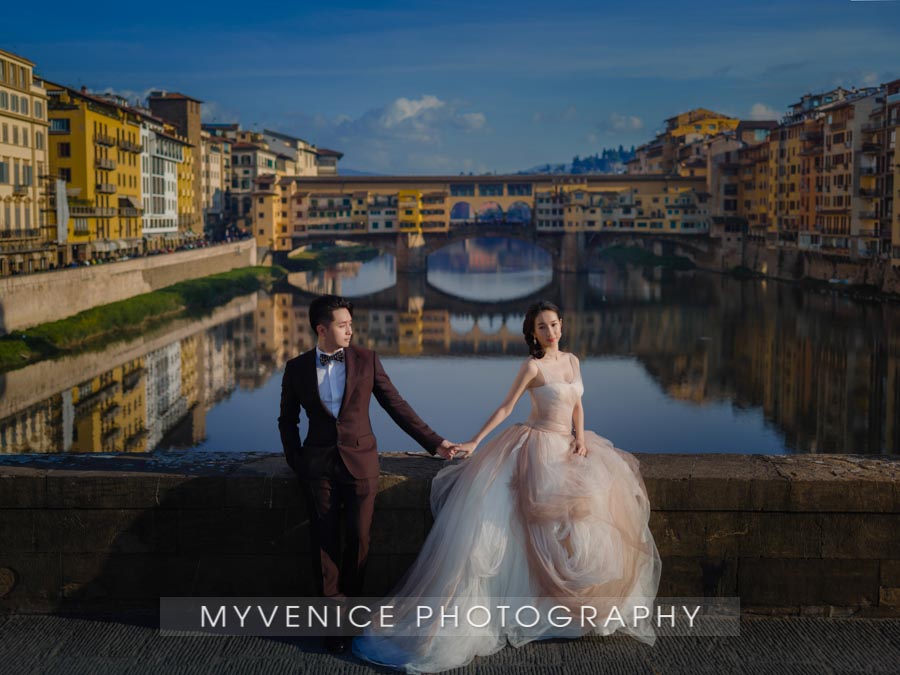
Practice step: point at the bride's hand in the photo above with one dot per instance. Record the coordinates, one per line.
(463, 450)
(580, 449)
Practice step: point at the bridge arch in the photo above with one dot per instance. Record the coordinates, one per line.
(490, 212)
(461, 212)
(519, 212)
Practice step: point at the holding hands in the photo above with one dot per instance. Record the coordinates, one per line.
(449, 450)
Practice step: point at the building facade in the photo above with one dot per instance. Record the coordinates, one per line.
(26, 243)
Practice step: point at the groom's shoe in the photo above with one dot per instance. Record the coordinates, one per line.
(336, 644)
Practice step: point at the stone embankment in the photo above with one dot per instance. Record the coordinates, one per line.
(33, 299)
(812, 534)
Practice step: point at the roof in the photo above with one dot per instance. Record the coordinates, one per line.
(16, 56)
(283, 137)
(172, 95)
(756, 124)
(325, 152)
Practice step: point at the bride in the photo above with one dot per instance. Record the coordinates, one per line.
(539, 518)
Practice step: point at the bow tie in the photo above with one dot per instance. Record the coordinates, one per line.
(337, 356)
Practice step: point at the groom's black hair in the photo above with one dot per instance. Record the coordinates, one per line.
(321, 310)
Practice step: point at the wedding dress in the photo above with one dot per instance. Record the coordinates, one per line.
(525, 522)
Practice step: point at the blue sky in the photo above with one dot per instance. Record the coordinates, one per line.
(443, 87)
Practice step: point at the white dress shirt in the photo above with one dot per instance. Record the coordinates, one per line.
(332, 378)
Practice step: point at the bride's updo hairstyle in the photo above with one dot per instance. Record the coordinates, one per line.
(534, 347)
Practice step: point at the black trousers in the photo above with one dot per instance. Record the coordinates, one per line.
(339, 573)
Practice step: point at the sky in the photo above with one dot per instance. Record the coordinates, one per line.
(443, 87)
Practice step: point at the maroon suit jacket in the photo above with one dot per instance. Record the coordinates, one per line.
(351, 431)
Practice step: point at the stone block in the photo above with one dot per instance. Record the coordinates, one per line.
(861, 535)
(721, 482)
(235, 531)
(398, 492)
(397, 531)
(248, 575)
(764, 535)
(121, 490)
(17, 533)
(763, 581)
(889, 597)
(96, 576)
(667, 478)
(101, 531)
(679, 533)
(252, 492)
(890, 572)
(22, 488)
(36, 580)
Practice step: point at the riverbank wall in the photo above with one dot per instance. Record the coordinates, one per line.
(810, 535)
(33, 299)
(791, 264)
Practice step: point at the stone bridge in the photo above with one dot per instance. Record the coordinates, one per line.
(570, 251)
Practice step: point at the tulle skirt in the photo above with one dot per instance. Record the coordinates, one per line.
(528, 525)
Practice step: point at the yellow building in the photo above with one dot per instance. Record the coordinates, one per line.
(25, 240)
(409, 205)
(109, 411)
(187, 221)
(95, 147)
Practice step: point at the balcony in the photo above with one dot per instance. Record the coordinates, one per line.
(19, 234)
(871, 148)
(128, 146)
(872, 126)
(129, 212)
(868, 215)
(103, 139)
(20, 190)
(106, 188)
(91, 212)
(105, 164)
(866, 193)
(867, 171)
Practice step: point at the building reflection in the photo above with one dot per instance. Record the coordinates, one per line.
(825, 372)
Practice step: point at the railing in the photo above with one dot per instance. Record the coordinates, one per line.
(867, 171)
(868, 215)
(129, 212)
(103, 139)
(103, 163)
(20, 190)
(106, 188)
(870, 148)
(869, 194)
(91, 212)
(128, 146)
(19, 234)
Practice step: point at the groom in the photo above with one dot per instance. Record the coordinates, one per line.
(337, 464)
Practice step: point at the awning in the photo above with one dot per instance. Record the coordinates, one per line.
(127, 201)
(102, 246)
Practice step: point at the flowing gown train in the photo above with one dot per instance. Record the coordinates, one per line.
(525, 521)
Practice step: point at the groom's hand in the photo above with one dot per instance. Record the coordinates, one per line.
(446, 449)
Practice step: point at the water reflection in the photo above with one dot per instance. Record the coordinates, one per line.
(685, 362)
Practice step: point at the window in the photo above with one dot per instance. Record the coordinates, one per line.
(14, 103)
(60, 125)
(461, 190)
(24, 106)
(66, 175)
(39, 140)
(39, 109)
(4, 100)
(4, 173)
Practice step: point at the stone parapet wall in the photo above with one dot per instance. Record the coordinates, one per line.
(33, 299)
(813, 534)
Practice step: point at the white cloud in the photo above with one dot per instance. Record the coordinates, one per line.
(619, 122)
(761, 111)
(407, 134)
(871, 80)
